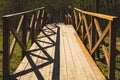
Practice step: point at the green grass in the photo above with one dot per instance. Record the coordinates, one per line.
(16, 58)
(0, 53)
(102, 63)
(0, 66)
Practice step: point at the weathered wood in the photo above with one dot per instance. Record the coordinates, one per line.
(75, 16)
(14, 40)
(24, 13)
(90, 60)
(92, 36)
(80, 21)
(63, 68)
(90, 27)
(107, 17)
(87, 30)
(101, 38)
(103, 46)
(6, 48)
(112, 50)
(95, 43)
(22, 41)
(17, 37)
(42, 62)
(24, 35)
(37, 19)
(30, 28)
(42, 18)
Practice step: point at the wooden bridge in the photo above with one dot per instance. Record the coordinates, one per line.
(59, 51)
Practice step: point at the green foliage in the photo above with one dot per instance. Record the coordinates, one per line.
(58, 8)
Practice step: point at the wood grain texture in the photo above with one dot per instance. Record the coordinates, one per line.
(47, 60)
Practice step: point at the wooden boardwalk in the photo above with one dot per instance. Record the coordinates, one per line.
(58, 54)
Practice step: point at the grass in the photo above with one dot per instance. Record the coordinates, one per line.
(16, 58)
(0, 53)
(102, 63)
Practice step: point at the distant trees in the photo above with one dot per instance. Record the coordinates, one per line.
(59, 7)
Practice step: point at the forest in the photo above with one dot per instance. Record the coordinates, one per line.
(55, 7)
(58, 9)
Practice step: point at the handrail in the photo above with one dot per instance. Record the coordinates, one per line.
(28, 22)
(93, 35)
(103, 16)
(22, 13)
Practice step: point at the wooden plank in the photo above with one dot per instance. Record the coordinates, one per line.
(107, 17)
(112, 49)
(35, 74)
(75, 16)
(30, 27)
(37, 17)
(32, 59)
(22, 67)
(63, 68)
(47, 71)
(6, 48)
(85, 72)
(17, 38)
(87, 30)
(90, 26)
(14, 40)
(42, 16)
(23, 13)
(70, 64)
(106, 53)
(52, 55)
(75, 64)
(94, 67)
(80, 21)
(24, 64)
(101, 38)
(80, 72)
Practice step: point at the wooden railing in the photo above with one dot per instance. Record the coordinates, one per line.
(94, 35)
(20, 27)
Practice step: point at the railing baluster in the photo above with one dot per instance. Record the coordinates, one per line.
(93, 43)
(7, 27)
(112, 50)
(6, 48)
(24, 35)
(92, 36)
(14, 40)
(33, 27)
(75, 17)
(37, 15)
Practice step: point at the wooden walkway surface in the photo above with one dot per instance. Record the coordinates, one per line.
(57, 54)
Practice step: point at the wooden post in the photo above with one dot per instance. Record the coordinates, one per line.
(75, 19)
(39, 18)
(97, 55)
(44, 18)
(6, 48)
(93, 36)
(112, 50)
(24, 34)
(33, 28)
